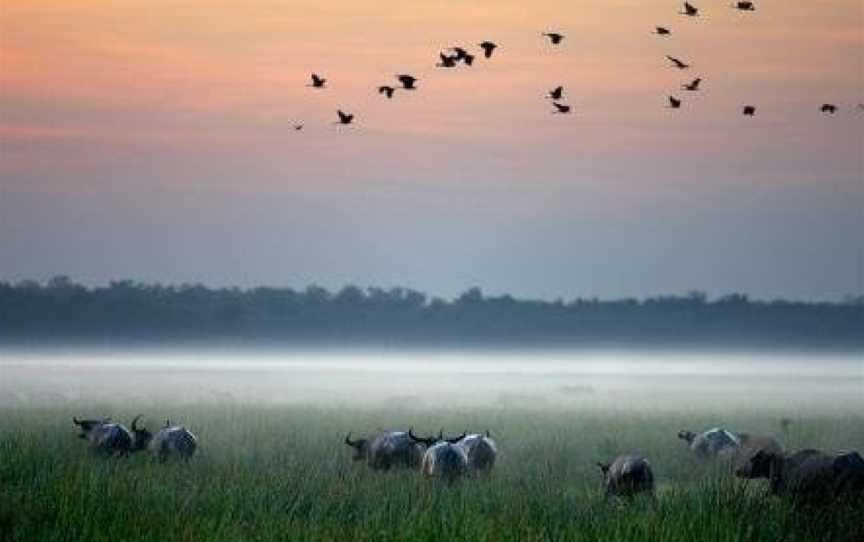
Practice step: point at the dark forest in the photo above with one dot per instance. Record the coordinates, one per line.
(125, 312)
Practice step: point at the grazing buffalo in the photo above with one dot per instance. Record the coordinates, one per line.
(751, 445)
(712, 443)
(172, 441)
(444, 458)
(386, 449)
(627, 476)
(105, 437)
(480, 450)
(811, 475)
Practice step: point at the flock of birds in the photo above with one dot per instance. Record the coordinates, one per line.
(454, 56)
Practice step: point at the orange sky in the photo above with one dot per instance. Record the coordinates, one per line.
(163, 97)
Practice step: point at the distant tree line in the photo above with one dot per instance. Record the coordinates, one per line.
(125, 312)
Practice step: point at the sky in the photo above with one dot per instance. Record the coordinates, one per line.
(152, 141)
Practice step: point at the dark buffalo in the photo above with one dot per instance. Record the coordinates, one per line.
(444, 458)
(751, 445)
(711, 443)
(627, 476)
(480, 450)
(171, 441)
(105, 437)
(386, 450)
(812, 475)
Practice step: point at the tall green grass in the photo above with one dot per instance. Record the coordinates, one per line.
(282, 473)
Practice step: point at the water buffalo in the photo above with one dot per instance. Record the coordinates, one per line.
(627, 476)
(751, 445)
(444, 458)
(105, 437)
(480, 450)
(172, 441)
(811, 475)
(386, 449)
(711, 443)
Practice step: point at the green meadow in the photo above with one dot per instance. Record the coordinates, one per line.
(281, 472)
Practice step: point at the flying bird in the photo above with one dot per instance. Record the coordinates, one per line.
(297, 127)
(690, 10)
(561, 108)
(692, 86)
(828, 108)
(554, 37)
(674, 103)
(344, 118)
(317, 81)
(387, 91)
(556, 93)
(677, 63)
(661, 31)
(460, 53)
(749, 110)
(407, 81)
(446, 61)
(744, 6)
(488, 47)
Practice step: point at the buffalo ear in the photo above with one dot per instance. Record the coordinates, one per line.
(603, 467)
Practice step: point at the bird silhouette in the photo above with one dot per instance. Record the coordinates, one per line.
(690, 10)
(661, 31)
(387, 91)
(561, 108)
(554, 37)
(447, 61)
(678, 63)
(556, 93)
(828, 108)
(488, 47)
(459, 52)
(692, 86)
(297, 127)
(344, 118)
(744, 6)
(749, 110)
(317, 81)
(407, 81)
(674, 103)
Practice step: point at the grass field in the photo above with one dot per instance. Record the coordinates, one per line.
(279, 471)
(282, 473)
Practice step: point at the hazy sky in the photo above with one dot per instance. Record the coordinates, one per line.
(152, 141)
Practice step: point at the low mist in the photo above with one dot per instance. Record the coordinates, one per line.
(423, 380)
